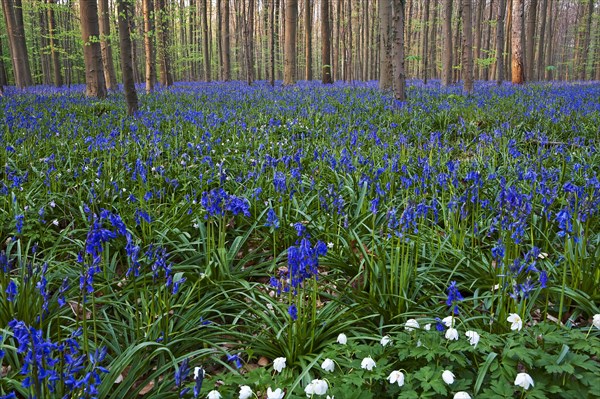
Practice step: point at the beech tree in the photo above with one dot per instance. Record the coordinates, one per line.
(110, 77)
(13, 17)
(291, 20)
(500, 42)
(518, 70)
(385, 46)
(92, 54)
(467, 48)
(124, 12)
(326, 42)
(447, 39)
(398, 47)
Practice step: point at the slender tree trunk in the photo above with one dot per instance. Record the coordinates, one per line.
(308, 40)
(326, 42)
(517, 46)
(457, 52)
(398, 48)
(124, 12)
(3, 75)
(540, 44)
(17, 44)
(56, 69)
(447, 40)
(110, 76)
(467, 48)
(272, 44)
(478, 36)
(291, 17)
(433, 48)
(488, 40)
(44, 44)
(385, 40)
(92, 54)
(425, 48)
(500, 42)
(337, 47)
(585, 51)
(248, 42)
(226, 42)
(549, 38)
(148, 12)
(530, 39)
(162, 32)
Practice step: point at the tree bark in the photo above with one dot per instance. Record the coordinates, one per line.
(56, 69)
(518, 73)
(447, 41)
(326, 42)
(540, 45)
(249, 41)
(478, 36)
(425, 48)
(586, 40)
(291, 17)
(385, 42)
(3, 76)
(308, 40)
(467, 48)
(110, 76)
(124, 12)
(148, 11)
(13, 17)
(226, 42)
(548, 38)
(162, 31)
(92, 54)
(488, 40)
(500, 42)
(530, 39)
(272, 44)
(398, 48)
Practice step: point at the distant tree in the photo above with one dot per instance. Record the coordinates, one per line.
(541, 42)
(500, 42)
(124, 12)
(248, 21)
(225, 42)
(530, 39)
(398, 48)
(447, 41)
(92, 55)
(272, 43)
(289, 64)
(110, 77)
(425, 45)
(13, 17)
(467, 48)
(385, 40)
(205, 38)
(326, 42)
(518, 70)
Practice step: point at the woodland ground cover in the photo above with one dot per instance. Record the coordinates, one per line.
(324, 240)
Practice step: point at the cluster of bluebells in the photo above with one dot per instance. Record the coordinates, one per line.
(217, 202)
(45, 363)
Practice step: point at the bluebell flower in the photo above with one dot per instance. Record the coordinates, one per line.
(293, 311)
(236, 359)
(454, 296)
(11, 291)
(272, 219)
(19, 223)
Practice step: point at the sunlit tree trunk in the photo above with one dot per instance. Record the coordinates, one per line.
(92, 54)
(540, 45)
(272, 43)
(478, 37)
(518, 73)
(124, 13)
(148, 12)
(308, 39)
(291, 19)
(225, 42)
(162, 32)
(425, 45)
(447, 41)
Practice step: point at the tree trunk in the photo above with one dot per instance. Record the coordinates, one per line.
(291, 17)
(467, 48)
(124, 13)
(326, 42)
(13, 17)
(3, 75)
(226, 42)
(56, 69)
(517, 46)
(488, 40)
(433, 47)
(148, 11)
(585, 51)
(530, 39)
(110, 76)
(425, 48)
(92, 54)
(248, 42)
(478, 36)
(162, 31)
(500, 42)
(272, 44)
(549, 38)
(447, 40)
(385, 41)
(308, 40)
(398, 48)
